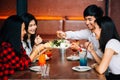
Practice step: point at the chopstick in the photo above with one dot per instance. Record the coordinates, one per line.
(87, 48)
(88, 45)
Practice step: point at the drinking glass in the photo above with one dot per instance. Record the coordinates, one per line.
(42, 64)
(62, 51)
(47, 70)
(83, 57)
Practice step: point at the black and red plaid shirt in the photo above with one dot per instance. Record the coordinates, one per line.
(10, 62)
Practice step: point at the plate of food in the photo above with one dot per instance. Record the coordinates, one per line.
(35, 68)
(81, 68)
(73, 57)
(58, 43)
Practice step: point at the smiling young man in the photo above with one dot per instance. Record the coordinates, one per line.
(91, 13)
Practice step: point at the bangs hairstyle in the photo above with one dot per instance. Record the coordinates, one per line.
(27, 17)
(11, 32)
(108, 31)
(93, 10)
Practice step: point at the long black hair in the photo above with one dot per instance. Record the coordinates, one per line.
(27, 17)
(11, 32)
(108, 31)
(93, 10)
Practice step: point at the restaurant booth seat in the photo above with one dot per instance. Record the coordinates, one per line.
(47, 28)
(74, 25)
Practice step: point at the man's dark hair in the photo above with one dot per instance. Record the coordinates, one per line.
(93, 10)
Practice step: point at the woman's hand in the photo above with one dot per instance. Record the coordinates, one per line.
(74, 46)
(94, 65)
(38, 40)
(61, 34)
(89, 46)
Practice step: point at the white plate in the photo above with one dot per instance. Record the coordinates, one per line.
(73, 57)
(81, 68)
(66, 43)
(66, 46)
(35, 68)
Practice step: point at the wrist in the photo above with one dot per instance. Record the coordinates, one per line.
(36, 44)
(33, 55)
(94, 65)
(92, 51)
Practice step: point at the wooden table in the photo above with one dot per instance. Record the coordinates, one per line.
(61, 70)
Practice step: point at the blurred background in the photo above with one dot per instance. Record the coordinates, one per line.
(53, 15)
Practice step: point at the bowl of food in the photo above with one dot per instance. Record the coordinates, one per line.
(59, 43)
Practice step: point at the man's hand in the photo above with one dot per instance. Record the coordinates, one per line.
(61, 34)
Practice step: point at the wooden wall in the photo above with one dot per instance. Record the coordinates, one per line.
(61, 8)
(7, 7)
(52, 15)
(115, 12)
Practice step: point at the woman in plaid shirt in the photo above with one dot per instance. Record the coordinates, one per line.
(12, 55)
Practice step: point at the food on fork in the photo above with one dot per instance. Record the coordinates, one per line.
(48, 53)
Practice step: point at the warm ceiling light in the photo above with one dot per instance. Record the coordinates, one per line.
(75, 18)
(48, 18)
(51, 18)
(3, 17)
